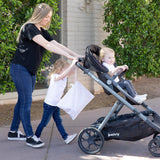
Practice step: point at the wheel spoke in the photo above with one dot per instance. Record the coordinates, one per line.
(83, 139)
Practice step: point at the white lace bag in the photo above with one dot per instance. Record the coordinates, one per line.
(74, 101)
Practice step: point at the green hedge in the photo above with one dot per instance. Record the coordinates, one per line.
(13, 13)
(134, 28)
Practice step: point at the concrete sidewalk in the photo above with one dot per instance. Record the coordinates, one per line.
(112, 150)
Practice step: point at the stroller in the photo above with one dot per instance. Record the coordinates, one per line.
(129, 127)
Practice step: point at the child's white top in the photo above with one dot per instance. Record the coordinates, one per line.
(111, 68)
(55, 90)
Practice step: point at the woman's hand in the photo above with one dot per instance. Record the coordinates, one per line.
(70, 57)
(74, 61)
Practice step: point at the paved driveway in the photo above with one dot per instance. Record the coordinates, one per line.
(57, 150)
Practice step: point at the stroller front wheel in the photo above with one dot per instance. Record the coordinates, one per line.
(154, 146)
(90, 140)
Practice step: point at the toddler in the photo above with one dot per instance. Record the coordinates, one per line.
(58, 81)
(107, 57)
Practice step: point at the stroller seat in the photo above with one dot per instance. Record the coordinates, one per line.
(92, 62)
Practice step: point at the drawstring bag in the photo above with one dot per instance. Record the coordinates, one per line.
(74, 101)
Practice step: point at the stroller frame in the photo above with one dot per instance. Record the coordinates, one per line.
(93, 136)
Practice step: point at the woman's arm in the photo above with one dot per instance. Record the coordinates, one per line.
(39, 39)
(65, 49)
(66, 72)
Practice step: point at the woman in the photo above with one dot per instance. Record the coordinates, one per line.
(33, 39)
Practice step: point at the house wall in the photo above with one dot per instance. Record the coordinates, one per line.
(82, 26)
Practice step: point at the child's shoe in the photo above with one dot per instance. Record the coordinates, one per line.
(70, 138)
(139, 99)
(144, 95)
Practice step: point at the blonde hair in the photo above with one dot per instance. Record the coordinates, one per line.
(105, 51)
(40, 12)
(58, 66)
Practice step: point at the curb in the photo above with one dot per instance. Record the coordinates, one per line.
(11, 97)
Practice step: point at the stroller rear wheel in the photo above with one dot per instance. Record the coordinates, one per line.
(154, 146)
(90, 140)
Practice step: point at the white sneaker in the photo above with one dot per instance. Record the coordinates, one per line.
(144, 95)
(139, 99)
(70, 138)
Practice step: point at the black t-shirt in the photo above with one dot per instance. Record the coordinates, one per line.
(28, 53)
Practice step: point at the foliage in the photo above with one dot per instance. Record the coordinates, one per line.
(134, 28)
(13, 14)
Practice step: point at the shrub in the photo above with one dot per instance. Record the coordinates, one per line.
(134, 31)
(13, 14)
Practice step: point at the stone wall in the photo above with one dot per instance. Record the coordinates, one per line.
(82, 26)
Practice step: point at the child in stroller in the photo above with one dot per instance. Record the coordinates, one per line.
(107, 58)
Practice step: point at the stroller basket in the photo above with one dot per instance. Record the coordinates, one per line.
(128, 127)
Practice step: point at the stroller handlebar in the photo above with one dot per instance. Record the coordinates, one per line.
(81, 59)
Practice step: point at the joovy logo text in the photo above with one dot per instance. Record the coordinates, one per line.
(113, 134)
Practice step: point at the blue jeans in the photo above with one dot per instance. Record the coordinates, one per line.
(24, 83)
(49, 111)
(126, 84)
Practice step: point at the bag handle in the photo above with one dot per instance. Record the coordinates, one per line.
(75, 75)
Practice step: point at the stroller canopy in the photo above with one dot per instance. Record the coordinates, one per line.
(91, 61)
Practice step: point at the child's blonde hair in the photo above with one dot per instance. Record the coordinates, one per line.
(105, 51)
(58, 66)
(40, 12)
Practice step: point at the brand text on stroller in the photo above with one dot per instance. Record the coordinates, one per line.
(113, 134)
